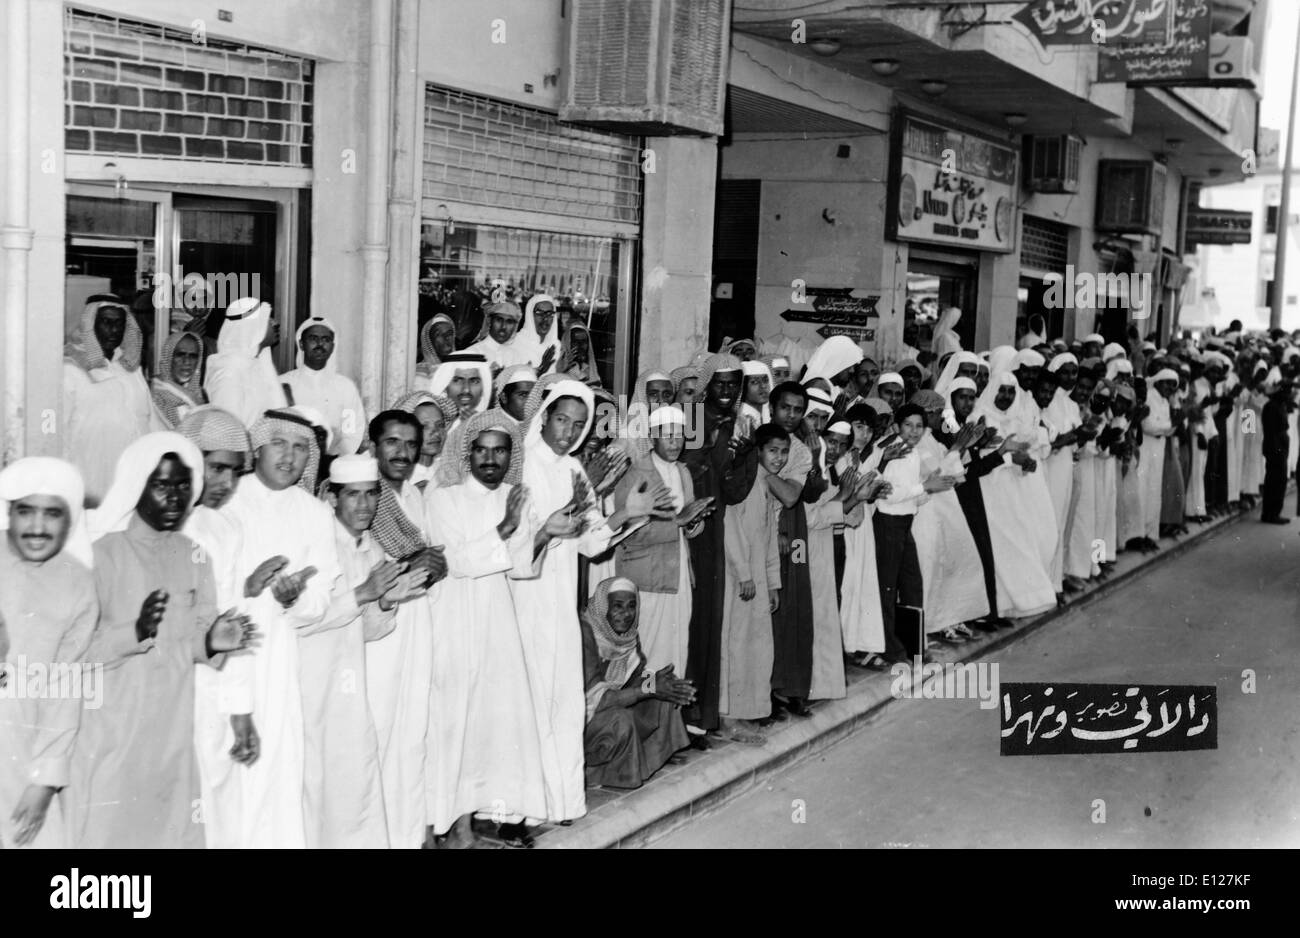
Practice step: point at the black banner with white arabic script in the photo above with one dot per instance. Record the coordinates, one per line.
(1059, 719)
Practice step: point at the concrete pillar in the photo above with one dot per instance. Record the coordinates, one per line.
(999, 281)
(677, 250)
(401, 341)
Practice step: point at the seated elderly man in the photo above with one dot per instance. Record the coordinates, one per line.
(634, 718)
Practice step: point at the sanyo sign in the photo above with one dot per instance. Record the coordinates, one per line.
(1086, 290)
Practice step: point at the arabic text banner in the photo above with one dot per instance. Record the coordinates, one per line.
(1058, 719)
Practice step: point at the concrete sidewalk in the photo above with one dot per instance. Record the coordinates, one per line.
(706, 780)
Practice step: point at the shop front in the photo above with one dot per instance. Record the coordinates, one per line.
(516, 204)
(953, 206)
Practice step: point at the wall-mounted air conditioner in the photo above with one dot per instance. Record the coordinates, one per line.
(1130, 197)
(1232, 61)
(1052, 163)
(648, 67)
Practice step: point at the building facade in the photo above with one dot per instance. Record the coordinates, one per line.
(375, 161)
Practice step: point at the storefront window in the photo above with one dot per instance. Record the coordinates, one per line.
(462, 264)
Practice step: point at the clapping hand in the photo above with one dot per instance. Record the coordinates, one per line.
(260, 578)
(548, 359)
(673, 689)
(231, 632)
(649, 501)
(936, 482)
(697, 510)
(287, 589)
(381, 579)
(515, 502)
(407, 586)
(151, 615)
(606, 468)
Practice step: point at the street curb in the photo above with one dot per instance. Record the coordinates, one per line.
(667, 804)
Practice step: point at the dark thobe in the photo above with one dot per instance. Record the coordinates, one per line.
(135, 780)
(1172, 486)
(624, 746)
(1275, 422)
(971, 499)
(792, 623)
(708, 465)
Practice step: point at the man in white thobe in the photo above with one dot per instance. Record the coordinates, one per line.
(569, 524)
(316, 383)
(498, 344)
(399, 666)
(241, 374)
(343, 791)
(278, 519)
(485, 756)
(106, 402)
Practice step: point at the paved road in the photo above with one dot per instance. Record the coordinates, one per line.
(926, 773)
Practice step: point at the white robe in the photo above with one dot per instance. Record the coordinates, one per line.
(1252, 434)
(217, 533)
(663, 618)
(498, 355)
(290, 523)
(399, 682)
(1195, 501)
(547, 606)
(951, 572)
(1082, 522)
(1022, 530)
(485, 755)
(104, 411)
(339, 402)
(1061, 473)
(861, 621)
(247, 386)
(343, 797)
(828, 644)
(1156, 429)
(1106, 499)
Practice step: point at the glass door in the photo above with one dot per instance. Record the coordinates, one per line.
(112, 246)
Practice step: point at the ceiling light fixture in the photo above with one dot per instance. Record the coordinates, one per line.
(824, 46)
(933, 86)
(1015, 119)
(885, 67)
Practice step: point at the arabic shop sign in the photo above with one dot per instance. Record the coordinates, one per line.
(1100, 22)
(951, 187)
(835, 306)
(1185, 57)
(1057, 719)
(1218, 226)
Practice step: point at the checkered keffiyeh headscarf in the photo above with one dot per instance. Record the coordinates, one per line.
(210, 429)
(535, 396)
(712, 365)
(681, 374)
(617, 652)
(392, 528)
(84, 347)
(426, 339)
(509, 375)
(495, 419)
(289, 421)
(408, 404)
(193, 387)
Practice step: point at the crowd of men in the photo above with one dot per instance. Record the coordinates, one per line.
(320, 628)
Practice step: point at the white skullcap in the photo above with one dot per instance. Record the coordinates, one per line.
(1027, 356)
(1164, 374)
(621, 584)
(1094, 337)
(891, 377)
(781, 362)
(353, 468)
(1112, 350)
(669, 415)
(1289, 353)
(840, 427)
(523, 373)
(1149, 346)
(752, 369)
(1065, 358)
(961, 384)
